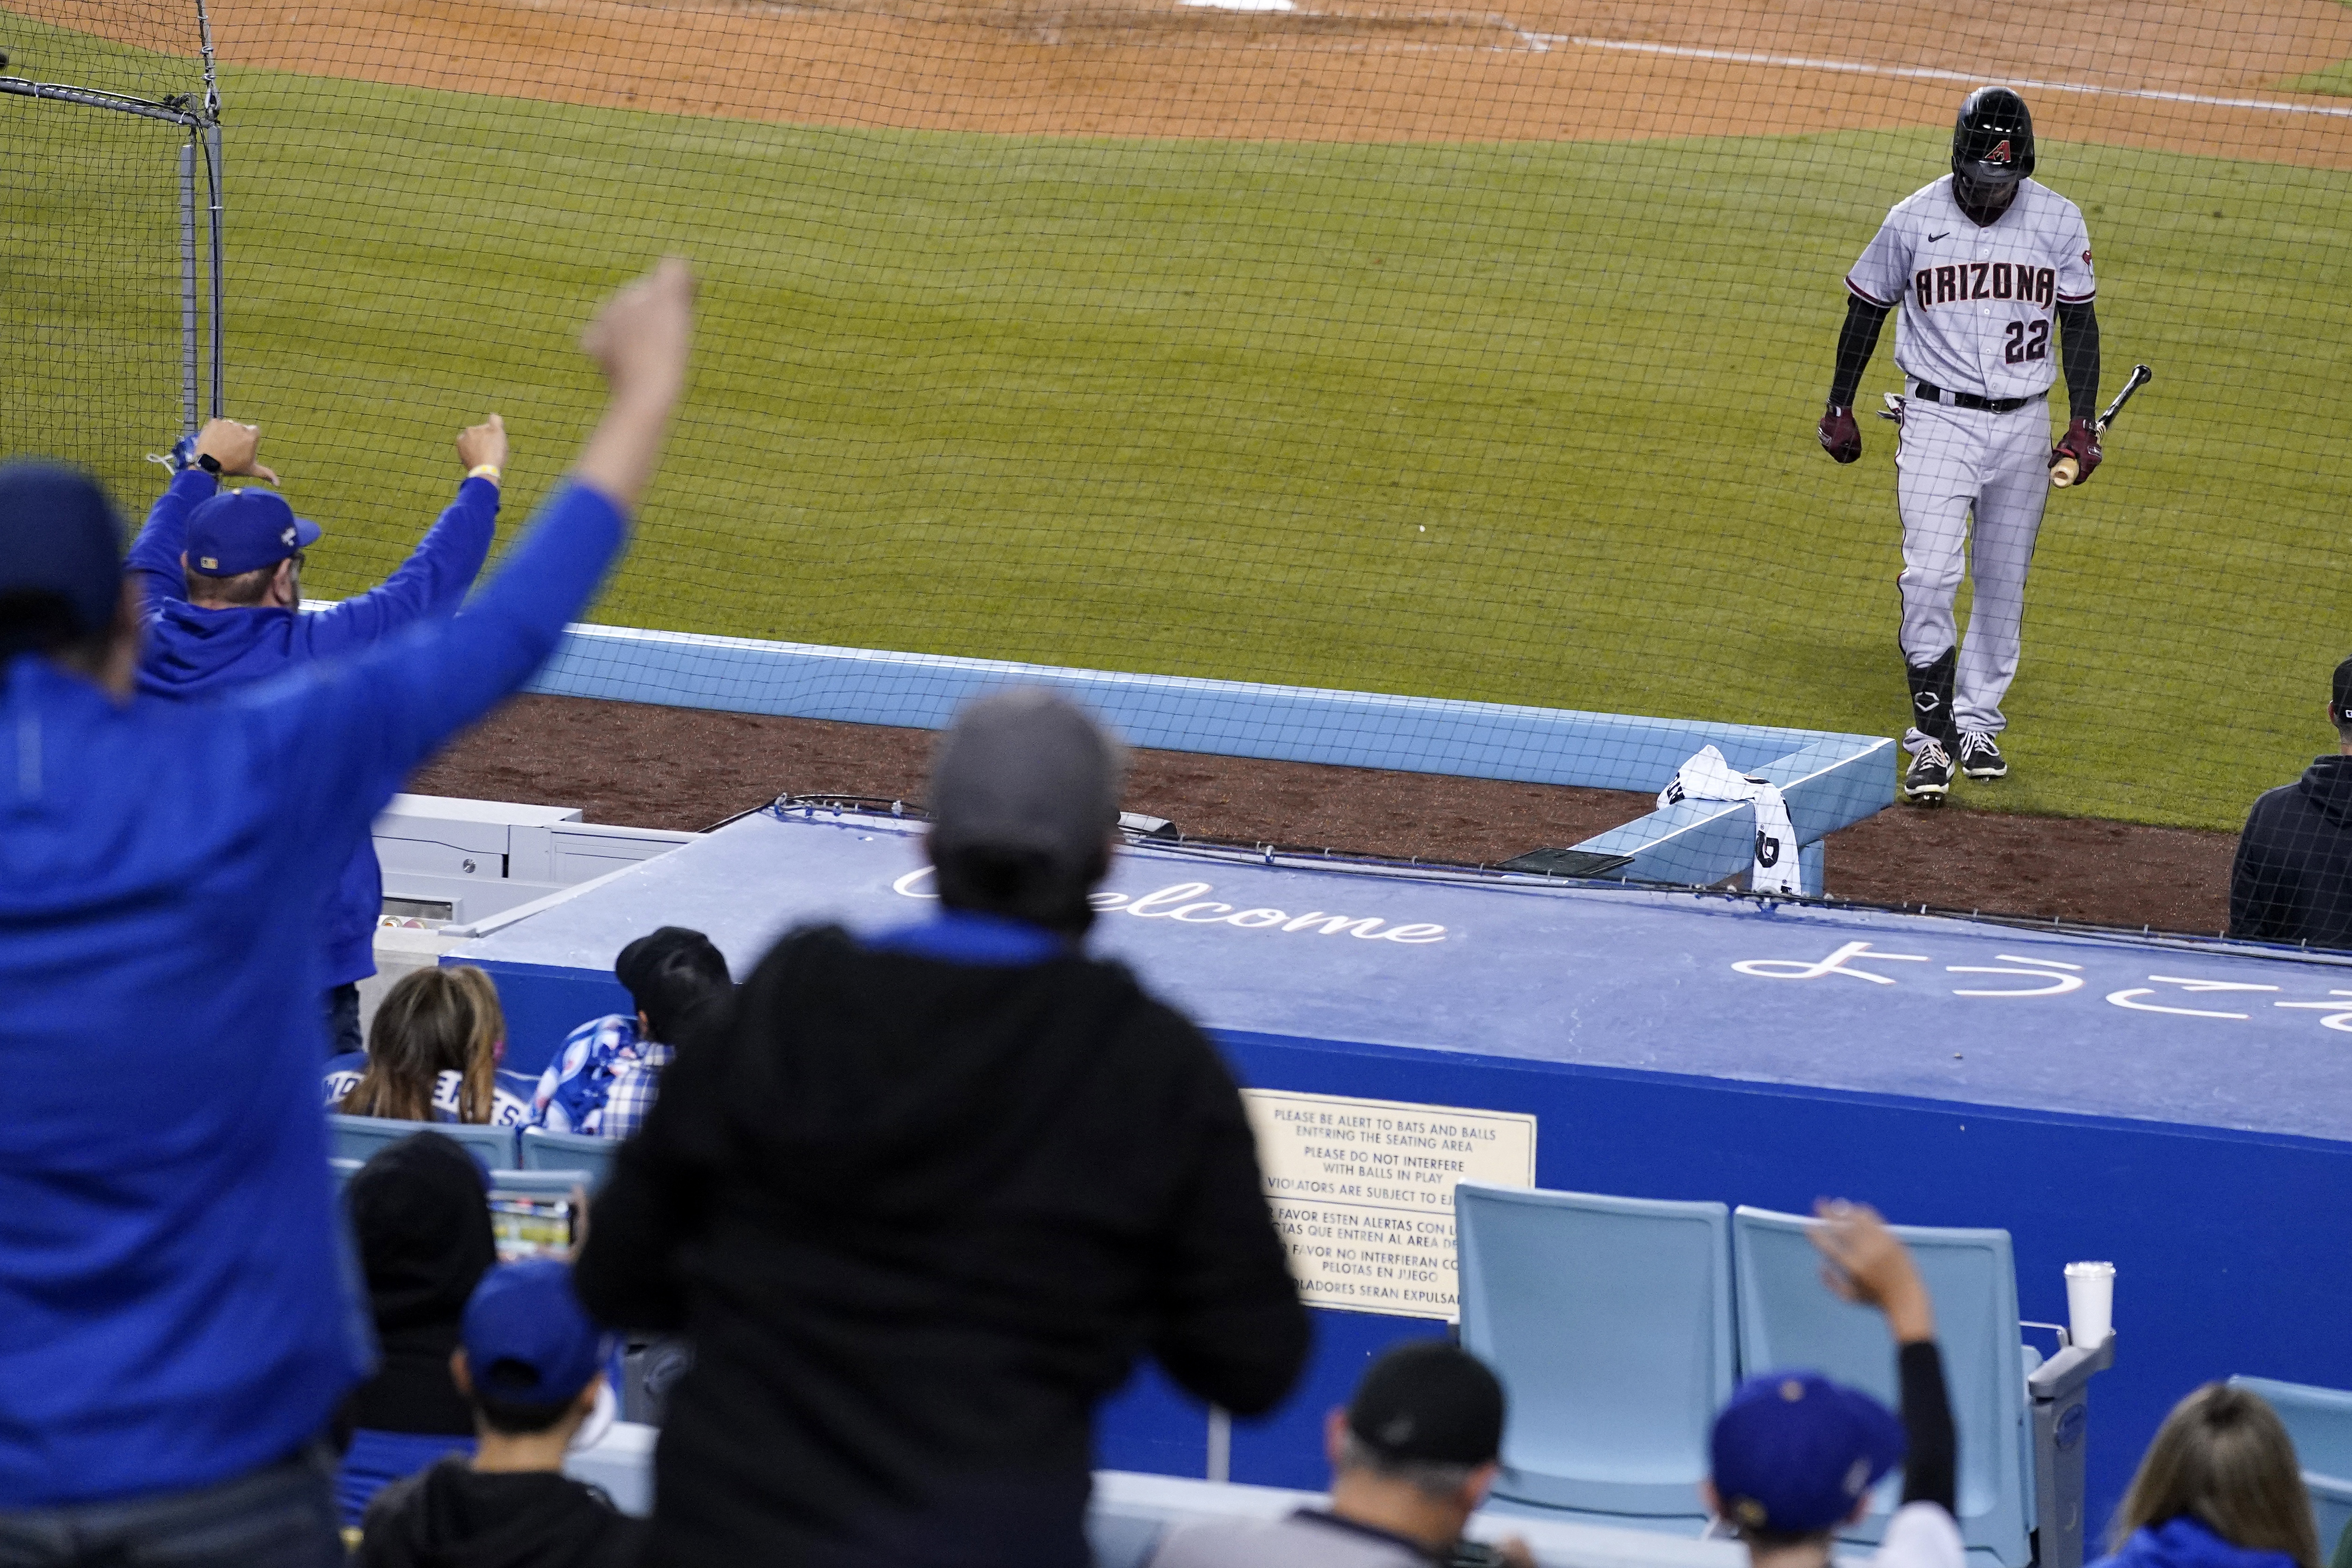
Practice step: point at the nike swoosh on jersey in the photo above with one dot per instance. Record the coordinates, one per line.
(1933, 239)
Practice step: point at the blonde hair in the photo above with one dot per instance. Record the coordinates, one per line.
(432, 1021)
(2224, 1458)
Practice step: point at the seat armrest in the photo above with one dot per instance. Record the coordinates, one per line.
(2070, 1370)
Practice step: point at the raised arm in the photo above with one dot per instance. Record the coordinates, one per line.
(153, 566)
(349, 730)
(435, 578)
(1866, 1264)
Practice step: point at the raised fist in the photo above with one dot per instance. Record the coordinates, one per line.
(232, 447)
(641, 337)
(1841, 437)
(2080, 443)
(483, 442)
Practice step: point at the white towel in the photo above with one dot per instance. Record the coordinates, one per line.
(1707, 777)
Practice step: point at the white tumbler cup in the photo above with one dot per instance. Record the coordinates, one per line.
(2090, 1303)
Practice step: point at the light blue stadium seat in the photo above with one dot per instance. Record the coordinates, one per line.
(344, 1170)
(545, 1150)
(2331, 1509)
(357, 1137)
(2320, 1422)
(1788, 1318)
(1610, 1322)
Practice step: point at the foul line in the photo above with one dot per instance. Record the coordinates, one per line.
(1928, 73)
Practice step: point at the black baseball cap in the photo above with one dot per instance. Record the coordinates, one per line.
(1430, 1402)
(60, 537)
(1026, 769)
(2339, 699)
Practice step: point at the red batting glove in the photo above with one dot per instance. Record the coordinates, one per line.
(2082, 443)
(1841, 437)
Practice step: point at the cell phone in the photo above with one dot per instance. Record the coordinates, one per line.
(533, 1227)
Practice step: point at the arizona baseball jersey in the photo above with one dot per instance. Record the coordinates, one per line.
(1980, 305)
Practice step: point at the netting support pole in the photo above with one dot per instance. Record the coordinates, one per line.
(188, 364)
(218, 264)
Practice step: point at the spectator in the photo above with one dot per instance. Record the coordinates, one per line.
(1795, 1456)
(175, 1332)
(2219, 1488)
(433, 1052)
(1412, 1458)
(918, 1200)
(420, 1214)
(605, 1077)
(221, 576)
(2291, 879)
(530, 1365)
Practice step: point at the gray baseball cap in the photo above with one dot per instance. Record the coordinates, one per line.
(1026, 769)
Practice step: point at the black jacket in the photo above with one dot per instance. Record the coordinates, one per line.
(450, 1517)
(2291, 880)
(421, 1214)
(917, 1218)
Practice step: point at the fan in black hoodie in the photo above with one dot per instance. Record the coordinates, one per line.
(420, 1212)
(921, 1201)
(2291, 879)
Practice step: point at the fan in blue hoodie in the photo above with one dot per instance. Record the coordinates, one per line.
(175, 1325)
(2220, 1487)
(219, 573)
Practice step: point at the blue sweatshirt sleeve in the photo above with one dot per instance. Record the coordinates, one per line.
(431, 581)
(340, 736)
(153, 565)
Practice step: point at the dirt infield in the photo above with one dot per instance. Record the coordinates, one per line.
(687, 768)
(1347, 70)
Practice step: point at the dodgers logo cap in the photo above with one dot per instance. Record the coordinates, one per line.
(1794, 1452)
(245, 531)
(528, 1341)
(60, 537)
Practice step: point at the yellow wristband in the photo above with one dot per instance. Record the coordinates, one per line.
(483, 471)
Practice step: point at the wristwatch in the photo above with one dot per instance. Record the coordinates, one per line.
(208, 463)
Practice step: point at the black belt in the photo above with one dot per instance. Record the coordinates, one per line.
(1970, 400)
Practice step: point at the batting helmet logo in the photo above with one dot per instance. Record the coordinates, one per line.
(2000, 154)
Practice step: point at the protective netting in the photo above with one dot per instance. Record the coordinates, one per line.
(1352, 343)
(92, 270)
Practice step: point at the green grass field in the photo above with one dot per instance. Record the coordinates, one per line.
(1528, 423)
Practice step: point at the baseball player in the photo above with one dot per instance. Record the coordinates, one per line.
(1993, 273)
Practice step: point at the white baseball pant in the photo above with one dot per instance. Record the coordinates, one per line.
(1953, 465)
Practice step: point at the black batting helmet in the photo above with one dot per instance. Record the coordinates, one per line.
(1992, 139)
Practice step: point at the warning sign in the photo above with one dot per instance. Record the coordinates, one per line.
(1363, 1192)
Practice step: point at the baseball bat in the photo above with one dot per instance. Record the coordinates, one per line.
(2067, 469)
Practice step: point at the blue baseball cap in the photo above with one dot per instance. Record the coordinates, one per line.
(245, 531)
(1794, 1452)
(60, 535)
(527, 1340)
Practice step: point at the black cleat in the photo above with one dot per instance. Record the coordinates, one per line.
(1981, 758)
(1929, 778)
